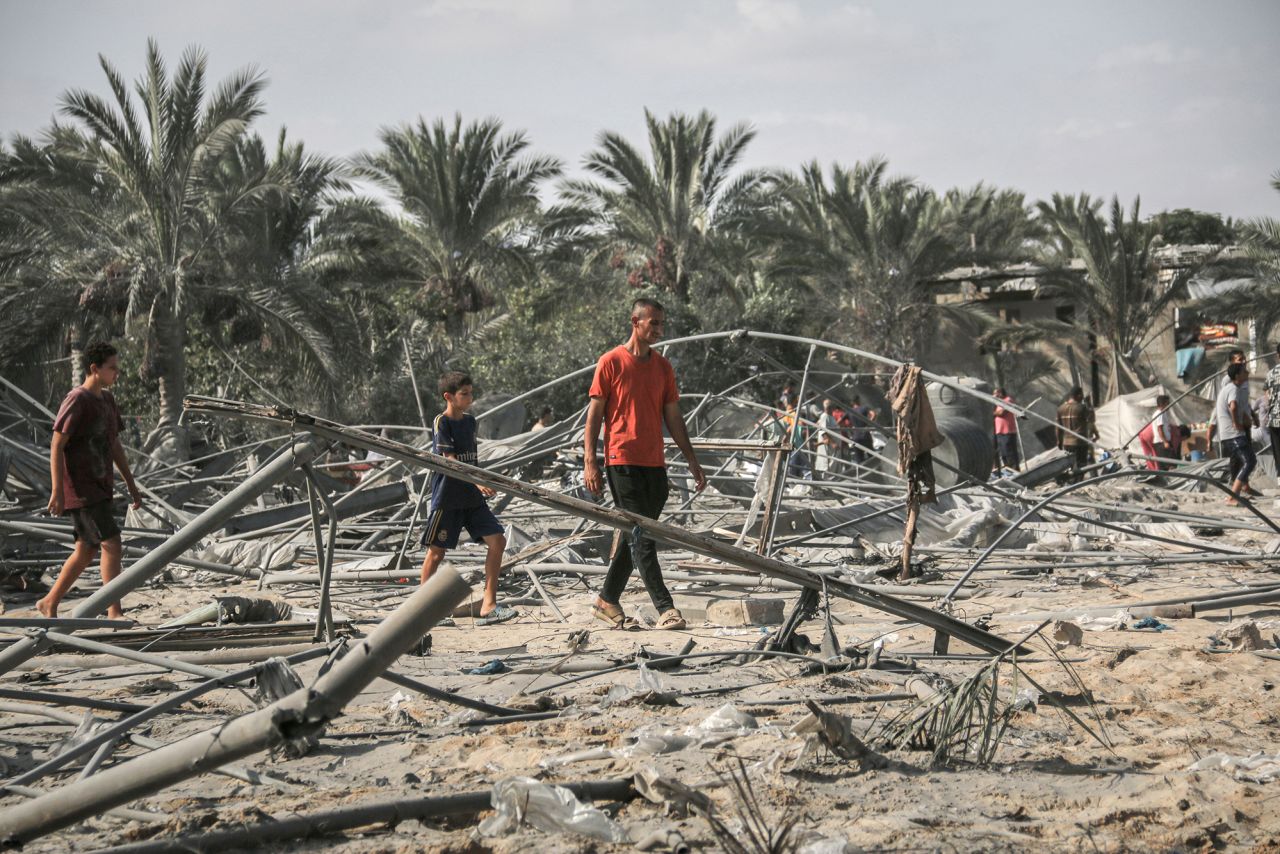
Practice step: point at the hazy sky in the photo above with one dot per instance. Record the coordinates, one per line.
(1176, 101)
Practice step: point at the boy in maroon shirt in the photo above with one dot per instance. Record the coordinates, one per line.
(86, 441)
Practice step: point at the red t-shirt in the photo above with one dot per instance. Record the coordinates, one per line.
(1007, 420)
(91, 425)
(634, 392)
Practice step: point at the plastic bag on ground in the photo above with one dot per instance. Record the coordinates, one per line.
(554, 809)
(1258, 768)
(724, 721)
(1119, 620)
(646, 743)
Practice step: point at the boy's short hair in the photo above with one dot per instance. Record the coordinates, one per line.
(451, 381)
(1235, 369)
(1162, 400)
(645, 303)
(97, 353)
(1076, 393)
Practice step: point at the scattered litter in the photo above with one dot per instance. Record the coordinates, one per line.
(1119, 620)
(1148, 623)
(553, 809)
(1257, 768)
(492, 668)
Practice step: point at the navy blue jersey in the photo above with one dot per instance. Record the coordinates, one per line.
(458, 439)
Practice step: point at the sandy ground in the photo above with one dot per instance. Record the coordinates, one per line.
(1164, 699)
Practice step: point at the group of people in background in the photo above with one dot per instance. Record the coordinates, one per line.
(837, 436)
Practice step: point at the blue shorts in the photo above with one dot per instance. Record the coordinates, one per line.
(446, 524)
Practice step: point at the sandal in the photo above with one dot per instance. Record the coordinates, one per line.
(615, 618)
(499, 614)
(671, 620)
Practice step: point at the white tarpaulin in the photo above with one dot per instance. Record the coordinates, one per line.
(1120, 418)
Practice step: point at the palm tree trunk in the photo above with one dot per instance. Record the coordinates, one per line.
(171, 369)
(75, 348)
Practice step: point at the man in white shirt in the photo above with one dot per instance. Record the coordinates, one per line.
(1235, 419)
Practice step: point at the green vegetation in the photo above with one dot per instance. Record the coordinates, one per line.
(156, 216)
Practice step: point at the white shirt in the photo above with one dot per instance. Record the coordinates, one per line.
(1227, 428)
(1161, 429)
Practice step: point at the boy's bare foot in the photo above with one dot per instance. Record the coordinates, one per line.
(45, 610)
(115, 614)
(1231, 502)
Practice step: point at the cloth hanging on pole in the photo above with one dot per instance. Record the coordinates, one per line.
(916, 431)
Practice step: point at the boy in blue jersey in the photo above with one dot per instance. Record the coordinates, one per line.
(456, 504)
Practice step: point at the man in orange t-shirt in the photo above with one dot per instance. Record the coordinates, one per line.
(632, 395)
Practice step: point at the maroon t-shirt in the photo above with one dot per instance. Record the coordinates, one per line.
(91, 424)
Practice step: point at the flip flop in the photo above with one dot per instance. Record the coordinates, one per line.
(617, 619)
(500, 614)
(671, 620)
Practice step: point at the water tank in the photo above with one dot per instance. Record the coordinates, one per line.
(950, 402)
(969, 447)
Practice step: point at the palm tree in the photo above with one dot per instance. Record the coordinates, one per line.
(1107, 264)
(1259, 268)
(270, 296)
(46, 309)
(870, 245)
(673, 217)
(152, 203)
(466, 228)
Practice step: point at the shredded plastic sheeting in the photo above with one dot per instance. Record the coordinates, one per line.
(1257, 768)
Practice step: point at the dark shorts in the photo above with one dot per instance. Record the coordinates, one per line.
(1242, 456)
(445, 525)
(94, 523)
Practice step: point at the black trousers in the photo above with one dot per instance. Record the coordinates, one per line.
(642, 490)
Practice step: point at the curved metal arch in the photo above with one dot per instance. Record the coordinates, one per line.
(813, 342)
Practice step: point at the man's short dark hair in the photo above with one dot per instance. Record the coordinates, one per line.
(451, 381)
(1235, 369)
(1234, 352)
(1076, 393)
(96, 353)
(644, 302)
(1162, 400)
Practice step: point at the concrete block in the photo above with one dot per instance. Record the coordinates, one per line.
(746, 612)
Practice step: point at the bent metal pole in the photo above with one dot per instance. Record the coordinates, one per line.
(301, 714)
(304, 450)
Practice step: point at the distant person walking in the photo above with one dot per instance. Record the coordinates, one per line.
(1234, 420)
(829, 439)
(863, 417)
(1074, 415)
(86, 442)
(1006, 427)
(632, 395)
